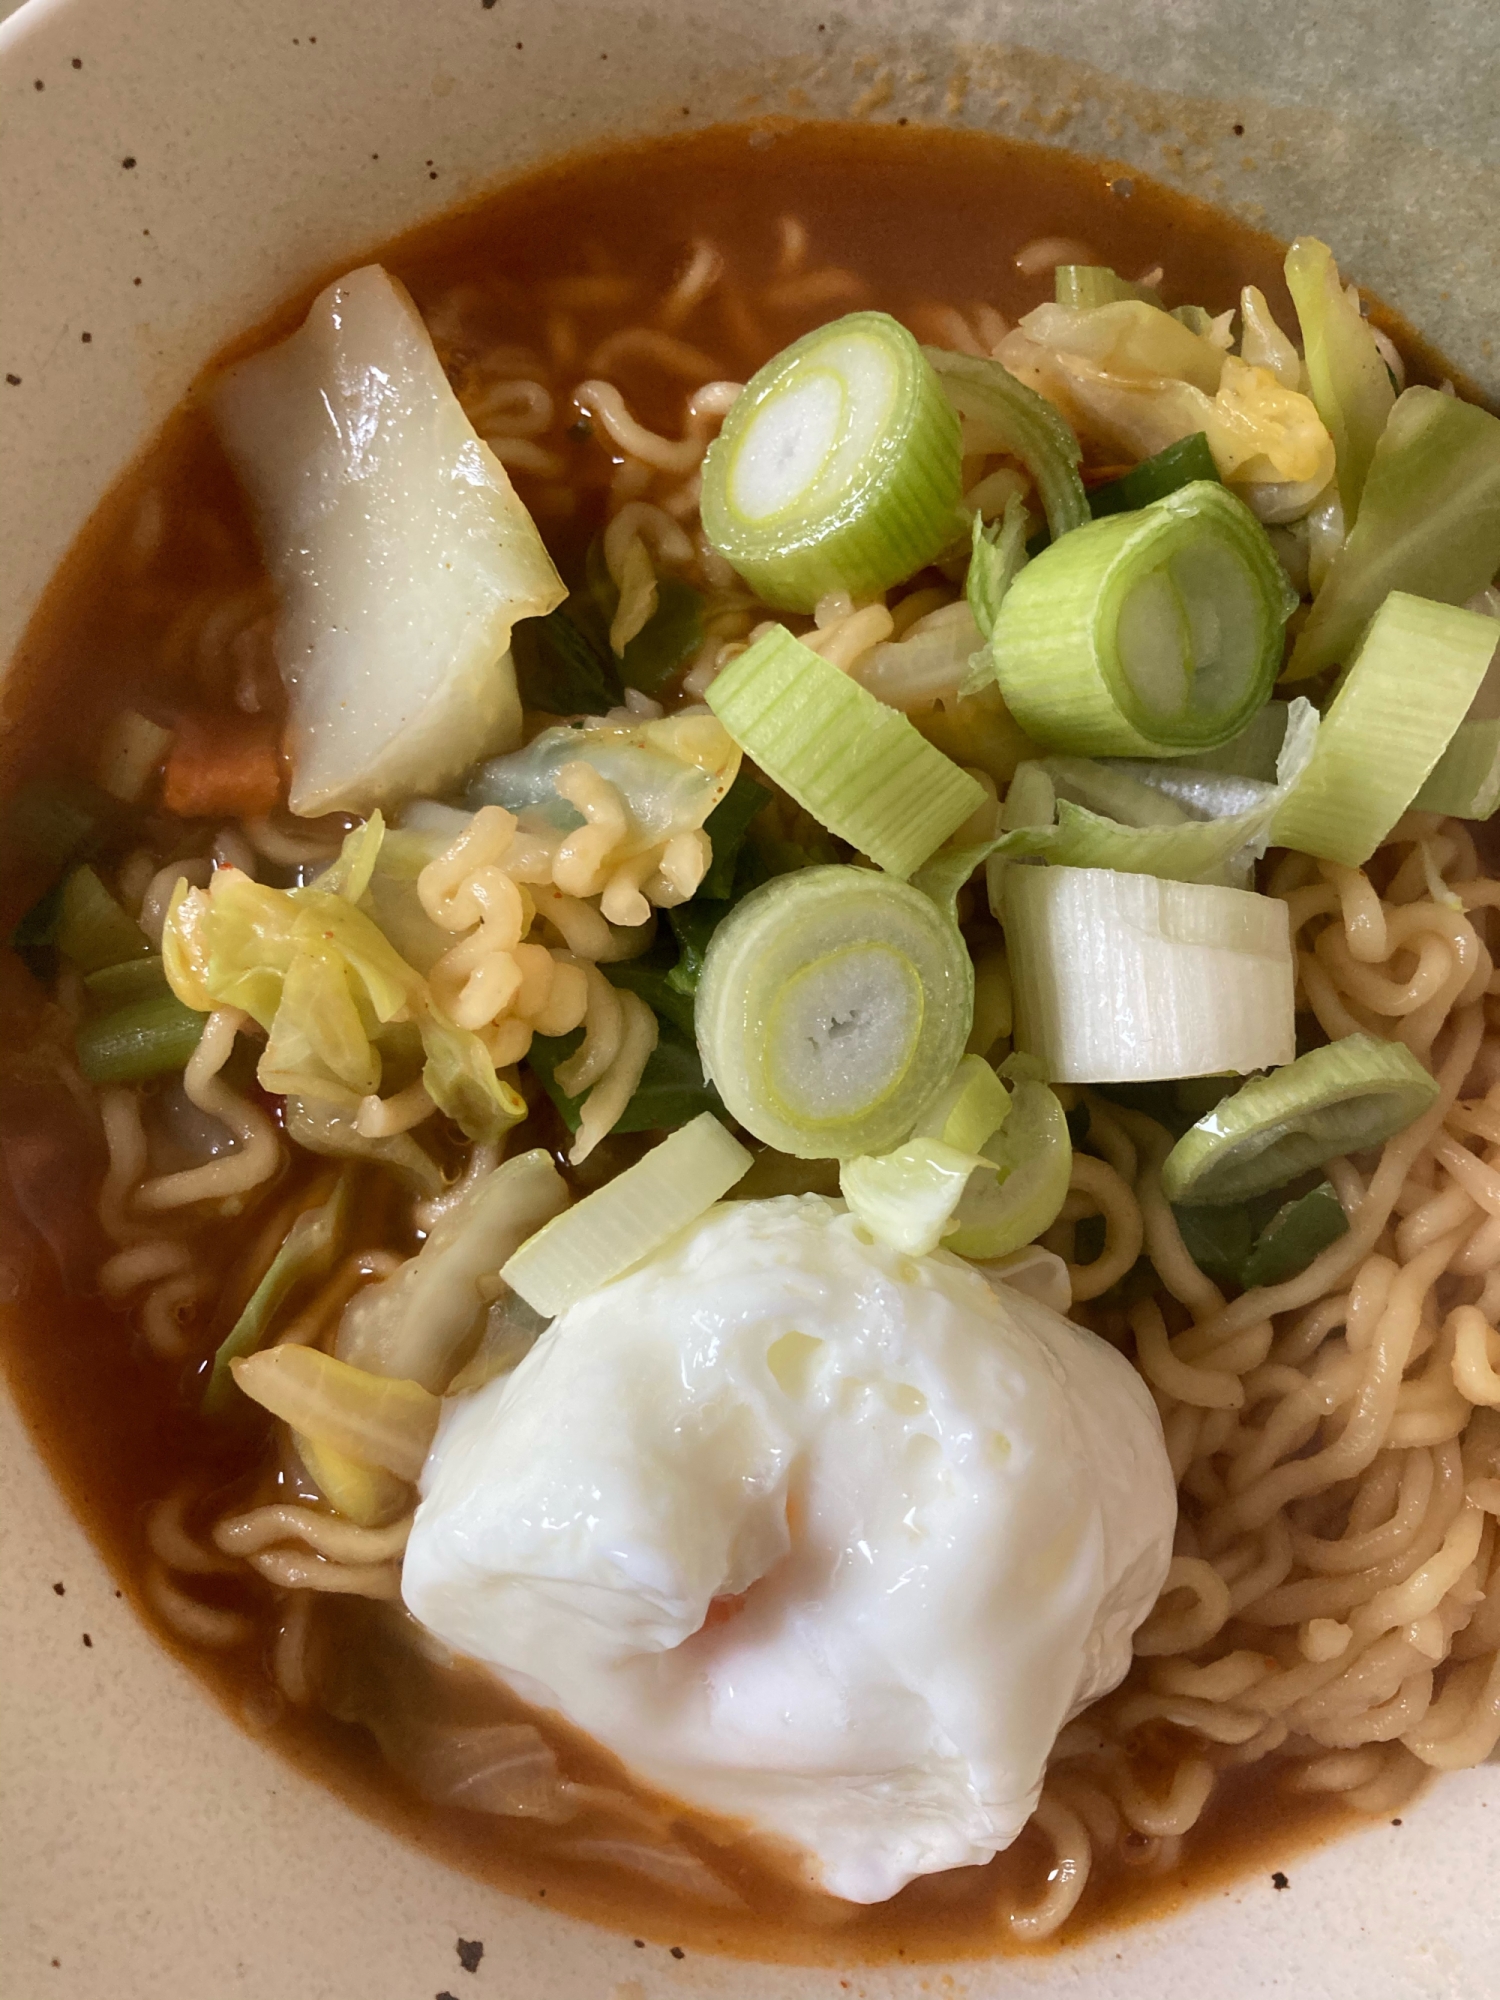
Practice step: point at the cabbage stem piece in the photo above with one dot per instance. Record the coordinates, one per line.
(368, 1495)
(838, 467)
(400, 552)
(857, 766)
(1351, 386)
(1429, 523)
(369, 1418)
(620, 1224)
(1398, 708)
(1148, 633)
(1122, 978)
(1351, 1095)
(833, 1005)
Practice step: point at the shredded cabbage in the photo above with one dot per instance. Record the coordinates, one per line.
(1139, 379)
(341, 1008)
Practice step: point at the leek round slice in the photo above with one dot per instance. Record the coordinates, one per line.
(1004, 1211)
(1398, 708)
(1146, 634)
(838, 468)
(833, 1005)
(617, 1226)
(1344, 1098)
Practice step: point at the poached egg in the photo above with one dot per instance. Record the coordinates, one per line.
(813, 1535)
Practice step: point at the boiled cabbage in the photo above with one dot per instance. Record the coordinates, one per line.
(400, 552)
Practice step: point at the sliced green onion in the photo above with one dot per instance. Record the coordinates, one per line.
(996, 555)
(93, 931)
(622, 1223)
(1085, 285)
(1465, 780)
(1219, 1240)
(1296, 1233)
(1397, 709)
(131, 979)
(833, 1005)
(148, 1037)
(1004, 1211)
(307, 1251)
(365, 1494)
(1345, 1098)
(857, 766)
(416, 1323)
(1251, 754)
(838, 468)
(1148, 633)
(1346, 372)
(1429, 523)
(998, 413)
(1123, 978)
(370, 1418)
(969, 1110)
(1154, 478)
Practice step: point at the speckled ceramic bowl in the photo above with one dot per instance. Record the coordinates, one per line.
(172, 169)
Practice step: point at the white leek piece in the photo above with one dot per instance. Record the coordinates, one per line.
(999, 413)
(1147, 633)
(908, 1198)
(1429, 522)
(838, 468)
(418, 1322)
(621, 1223)
(858, 767)
(1346, 372)
(1031, 1157)
(400, 552)
(1397, 709)
(1123, 978)
(833, 1005)
(1344, 1098)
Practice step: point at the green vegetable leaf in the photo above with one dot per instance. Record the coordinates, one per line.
(563, 663)
(726, 827)
(1181, 463)
(672, 1089)
(1296, 1233)
(668, 639)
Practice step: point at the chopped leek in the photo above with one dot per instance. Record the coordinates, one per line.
(365, 1494)
(416, 1323)
(996, 556)
(370, 1418)
(838, 468)
(1124, 978)
(1429, 523)
(1148, 633)
(92, 930)
(832, 1005)
(1345, 1098)
(998, 413)
(1401, 701)
(907, 1198)
(619, 1224)
(1154, 478)
(149, 1037)
(307, 1251)
(131, 979)
(1086, 285)
(1465, 781)
(969, 1110)
(1251, 754)
(1003, 1211)
(1351, 386)
(857, 766)
(1296, 1233)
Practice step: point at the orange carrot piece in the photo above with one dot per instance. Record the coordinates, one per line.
(222, 766)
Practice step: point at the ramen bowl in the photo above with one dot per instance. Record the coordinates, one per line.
(174, 173)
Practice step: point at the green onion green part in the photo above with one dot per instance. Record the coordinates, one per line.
(838, 467)
(833, 1005)
(1345, 1098)
(307, 1251)
(1299, 1231)
(622, 1223)
(1346, 372)
(1122, 978)
(1146, 634)
(131, 979)
(144, 1038)
(1465, 781)
(1154, 478)
(1429, 523)
(1399, 705)
(1032, 1155)
(998, 413)
(858, 767)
